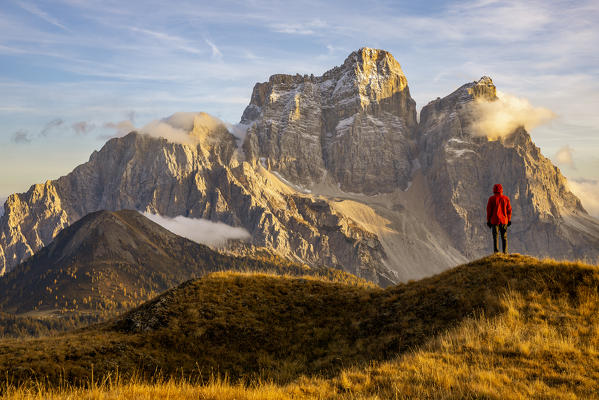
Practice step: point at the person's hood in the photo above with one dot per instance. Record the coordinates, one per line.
(497, 188)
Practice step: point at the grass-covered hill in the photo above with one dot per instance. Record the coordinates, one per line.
(499, 327)
(107, 263)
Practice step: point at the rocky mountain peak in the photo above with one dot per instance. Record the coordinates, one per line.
(483, 89)
(352, 126)
(366, 76)
(372, 62)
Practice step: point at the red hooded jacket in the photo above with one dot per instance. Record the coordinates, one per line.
(499, 209)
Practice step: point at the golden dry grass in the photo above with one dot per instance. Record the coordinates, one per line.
(536, 337)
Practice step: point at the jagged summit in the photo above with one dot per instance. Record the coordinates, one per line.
(368, 63)
(353, 125)
(361, 70)
(483, 89)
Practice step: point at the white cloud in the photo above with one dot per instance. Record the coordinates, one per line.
(182, 120)
(120, 128)
(173, 41)
(300, 28)
(588, 192)
(216, 53)
(160, 128)
(564, 156)
(182, 127)
(239, 131)
(201, 231)
(41, 14)
(501, 117)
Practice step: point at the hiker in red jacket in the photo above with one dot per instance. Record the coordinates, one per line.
(499, 216)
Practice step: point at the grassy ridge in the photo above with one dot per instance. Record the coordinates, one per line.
(500, 327)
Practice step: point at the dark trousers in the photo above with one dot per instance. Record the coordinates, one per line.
(499, 229)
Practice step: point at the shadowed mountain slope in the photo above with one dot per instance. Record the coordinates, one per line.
(111, 261)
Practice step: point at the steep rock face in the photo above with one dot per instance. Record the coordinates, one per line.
(355, 124)
(206, 181)
(461, 168)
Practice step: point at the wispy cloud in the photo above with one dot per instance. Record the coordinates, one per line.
(83, 127)
(51, 125)
(564, 156)
(33, 9)
(172, 40)
(131, 116)
(302, 28)
(216, 53)
(21, 136)
(587, 191)
(118, 129)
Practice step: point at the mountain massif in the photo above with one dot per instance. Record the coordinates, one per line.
(333, 170)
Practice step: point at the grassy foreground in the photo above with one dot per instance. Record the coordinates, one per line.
(508, 327)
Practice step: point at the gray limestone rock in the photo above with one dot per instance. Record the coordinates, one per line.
(150, 174)
(356, 124)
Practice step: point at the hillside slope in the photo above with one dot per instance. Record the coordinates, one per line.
(108, 262)
(497, 323)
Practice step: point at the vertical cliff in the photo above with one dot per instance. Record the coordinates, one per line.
(354, 125)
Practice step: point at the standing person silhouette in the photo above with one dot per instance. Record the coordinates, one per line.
(499, 216)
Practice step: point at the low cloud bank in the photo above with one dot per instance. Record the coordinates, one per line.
(501, 117)
(162, 129)
(587, 191)
(179, 127)
(200, 231)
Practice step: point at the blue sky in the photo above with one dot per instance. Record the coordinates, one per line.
(71, 68)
